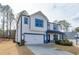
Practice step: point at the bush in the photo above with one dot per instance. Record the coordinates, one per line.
(57, 41)
(64, 42)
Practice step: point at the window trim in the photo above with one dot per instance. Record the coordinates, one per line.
(25, 20)
(39, 22)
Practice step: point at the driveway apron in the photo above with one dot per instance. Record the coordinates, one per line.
(47, 50)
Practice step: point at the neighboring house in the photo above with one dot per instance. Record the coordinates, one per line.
(70, 35)
(36, 29)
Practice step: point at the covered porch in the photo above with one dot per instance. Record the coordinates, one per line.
(51, 36)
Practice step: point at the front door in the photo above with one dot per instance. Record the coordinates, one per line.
(55, 37)
(48, 38)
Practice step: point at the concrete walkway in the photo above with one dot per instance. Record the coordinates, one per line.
(46, 50)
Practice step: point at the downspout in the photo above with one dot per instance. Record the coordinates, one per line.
(16, 31)
(29, 22)
(46, 41)
(21, 31)
(22, 41)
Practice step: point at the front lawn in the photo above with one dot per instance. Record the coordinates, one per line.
(71, 49)
(7, 47)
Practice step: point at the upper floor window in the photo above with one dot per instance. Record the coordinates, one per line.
(25, 20)
(55, 27)
(38, 22)
(48, 25)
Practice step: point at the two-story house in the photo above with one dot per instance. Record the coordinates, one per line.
(36, 29)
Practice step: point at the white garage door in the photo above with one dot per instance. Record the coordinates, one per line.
(34, 39)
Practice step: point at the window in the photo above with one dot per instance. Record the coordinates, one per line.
(55, 27)
(38, 23)
(48, 26)
(25, 20)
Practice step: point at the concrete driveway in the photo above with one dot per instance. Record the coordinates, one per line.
(46, 49)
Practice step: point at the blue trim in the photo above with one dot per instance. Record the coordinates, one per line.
(53, 31)
(39, 22)
(29, 23)
(21, 16)
(25, 20)
(16, 34)
(47, 25)
(24, 37)
(55, 27)
(46, 38)
(35, 34)
(21, 30)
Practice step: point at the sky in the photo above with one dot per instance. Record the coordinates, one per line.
(53, 11)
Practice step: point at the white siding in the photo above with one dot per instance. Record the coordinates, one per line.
(62, 29)
(39, 16)
(18, 32)
(26, 28)
(30, 28)
(58, 36)
(51, 26)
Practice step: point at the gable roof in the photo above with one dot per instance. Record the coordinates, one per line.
(39, 12)
(22, 13)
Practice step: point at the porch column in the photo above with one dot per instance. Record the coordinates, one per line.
(62, 37)
(58, 36)
(46, 41)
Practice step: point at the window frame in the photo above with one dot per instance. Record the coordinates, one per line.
(25, 20)
(39, 22)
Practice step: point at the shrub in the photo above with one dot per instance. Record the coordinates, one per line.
(57, 41)
(64, 42)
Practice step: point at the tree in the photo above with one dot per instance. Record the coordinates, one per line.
(7, 11)
(65, 24)
(5, 22)
(10, 22)
(8, 17)
(77, 29)
(2, 9)
(55, 21)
